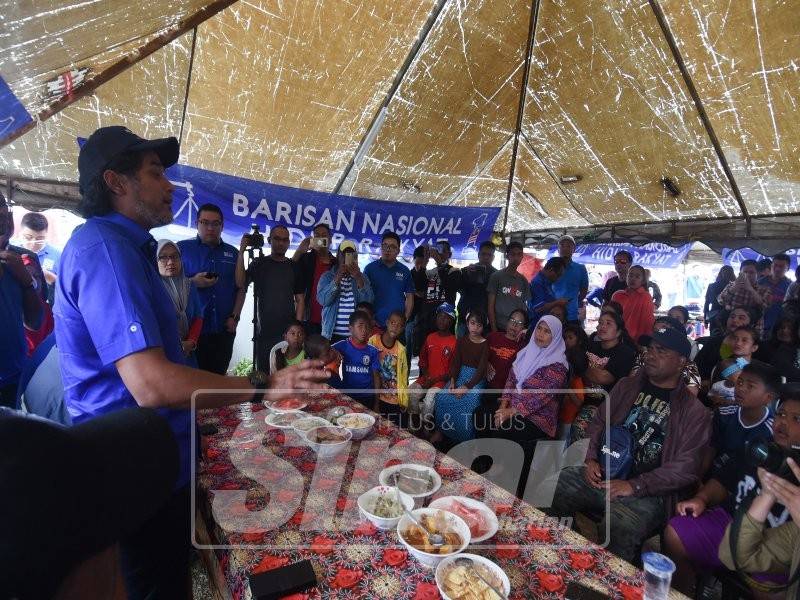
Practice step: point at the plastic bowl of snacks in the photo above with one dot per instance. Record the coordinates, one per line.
(381, 506)
(328, 440)
(459, 582)
(284, 420)
(417, 481)
(480, 519)
(286, 404)
(452, 528)
(359, 424)
(309, 422)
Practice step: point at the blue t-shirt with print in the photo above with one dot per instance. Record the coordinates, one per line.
(358, 365)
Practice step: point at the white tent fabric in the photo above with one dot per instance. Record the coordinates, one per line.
(566, 113)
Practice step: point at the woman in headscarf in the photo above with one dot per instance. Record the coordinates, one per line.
(527, 414)
(188, 308)
(541, 365)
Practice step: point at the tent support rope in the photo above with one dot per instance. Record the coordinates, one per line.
(188, 84)
(521, 109)
(433, 18)
(687, 79)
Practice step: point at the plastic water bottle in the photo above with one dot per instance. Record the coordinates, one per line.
(658, 570)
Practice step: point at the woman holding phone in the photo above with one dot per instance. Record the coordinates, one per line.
(339, 290)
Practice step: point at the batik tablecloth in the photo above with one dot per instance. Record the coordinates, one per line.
(267, 502)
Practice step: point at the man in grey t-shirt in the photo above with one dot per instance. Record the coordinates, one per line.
(508, 289)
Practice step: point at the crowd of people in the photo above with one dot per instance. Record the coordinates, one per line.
(121, 320)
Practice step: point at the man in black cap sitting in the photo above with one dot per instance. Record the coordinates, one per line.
(662, 432)
(118, 335)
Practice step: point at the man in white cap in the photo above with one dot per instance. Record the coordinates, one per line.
(574, 282)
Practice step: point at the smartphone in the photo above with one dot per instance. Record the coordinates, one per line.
(211, 275)
(283, 581)
(319, 242)
(349, 258)
(576, 591)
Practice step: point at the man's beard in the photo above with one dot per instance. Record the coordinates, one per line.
(151, 217)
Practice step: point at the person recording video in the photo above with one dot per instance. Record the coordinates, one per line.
(760, 548)
(278, 286)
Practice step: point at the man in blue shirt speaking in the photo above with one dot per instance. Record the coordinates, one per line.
(117, 333)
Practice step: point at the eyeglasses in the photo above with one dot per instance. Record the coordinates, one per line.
(516, 322)
(213, 224)
(165, 259)
(390, 246)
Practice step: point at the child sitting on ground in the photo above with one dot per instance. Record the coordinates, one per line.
(293, 354)
(722, 392)
(360, 364)
(434, 366)
(393, 402)
(456, 404)
(576, 341)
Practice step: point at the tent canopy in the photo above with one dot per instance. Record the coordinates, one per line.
(462, 102)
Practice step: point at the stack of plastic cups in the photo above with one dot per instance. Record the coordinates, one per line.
(658, 570)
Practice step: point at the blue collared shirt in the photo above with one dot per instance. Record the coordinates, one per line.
(390, 286)
(218, 299)
(110, 303)
(541, 293)
(49, 258)
(569, 285)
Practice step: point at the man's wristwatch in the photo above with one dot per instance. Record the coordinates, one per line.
(259, 380)
(234, 317)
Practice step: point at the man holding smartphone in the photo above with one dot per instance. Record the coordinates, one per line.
(211, 264)
(314, 258)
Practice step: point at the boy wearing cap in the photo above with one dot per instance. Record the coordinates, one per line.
(574, 282)
(339, 291)
(669, 429)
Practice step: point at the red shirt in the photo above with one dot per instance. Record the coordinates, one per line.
(502, 352)
(436, 354)
(315, 316)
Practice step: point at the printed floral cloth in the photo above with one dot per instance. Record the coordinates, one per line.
(268, 502)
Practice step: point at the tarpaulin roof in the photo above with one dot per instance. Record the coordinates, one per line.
(463, 102)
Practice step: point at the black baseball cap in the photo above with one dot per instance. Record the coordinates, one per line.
(68, 493)
(669, 338)
(107, 143)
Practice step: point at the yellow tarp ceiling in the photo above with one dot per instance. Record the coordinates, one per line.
(620, 93)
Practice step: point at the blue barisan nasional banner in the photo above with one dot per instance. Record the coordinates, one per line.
(13, 115)
(245, 202)
(735, 256)
(658, 256)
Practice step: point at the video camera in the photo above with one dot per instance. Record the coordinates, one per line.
(772, 458)
(256, 237)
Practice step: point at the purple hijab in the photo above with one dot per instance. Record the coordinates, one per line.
(532, 358)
